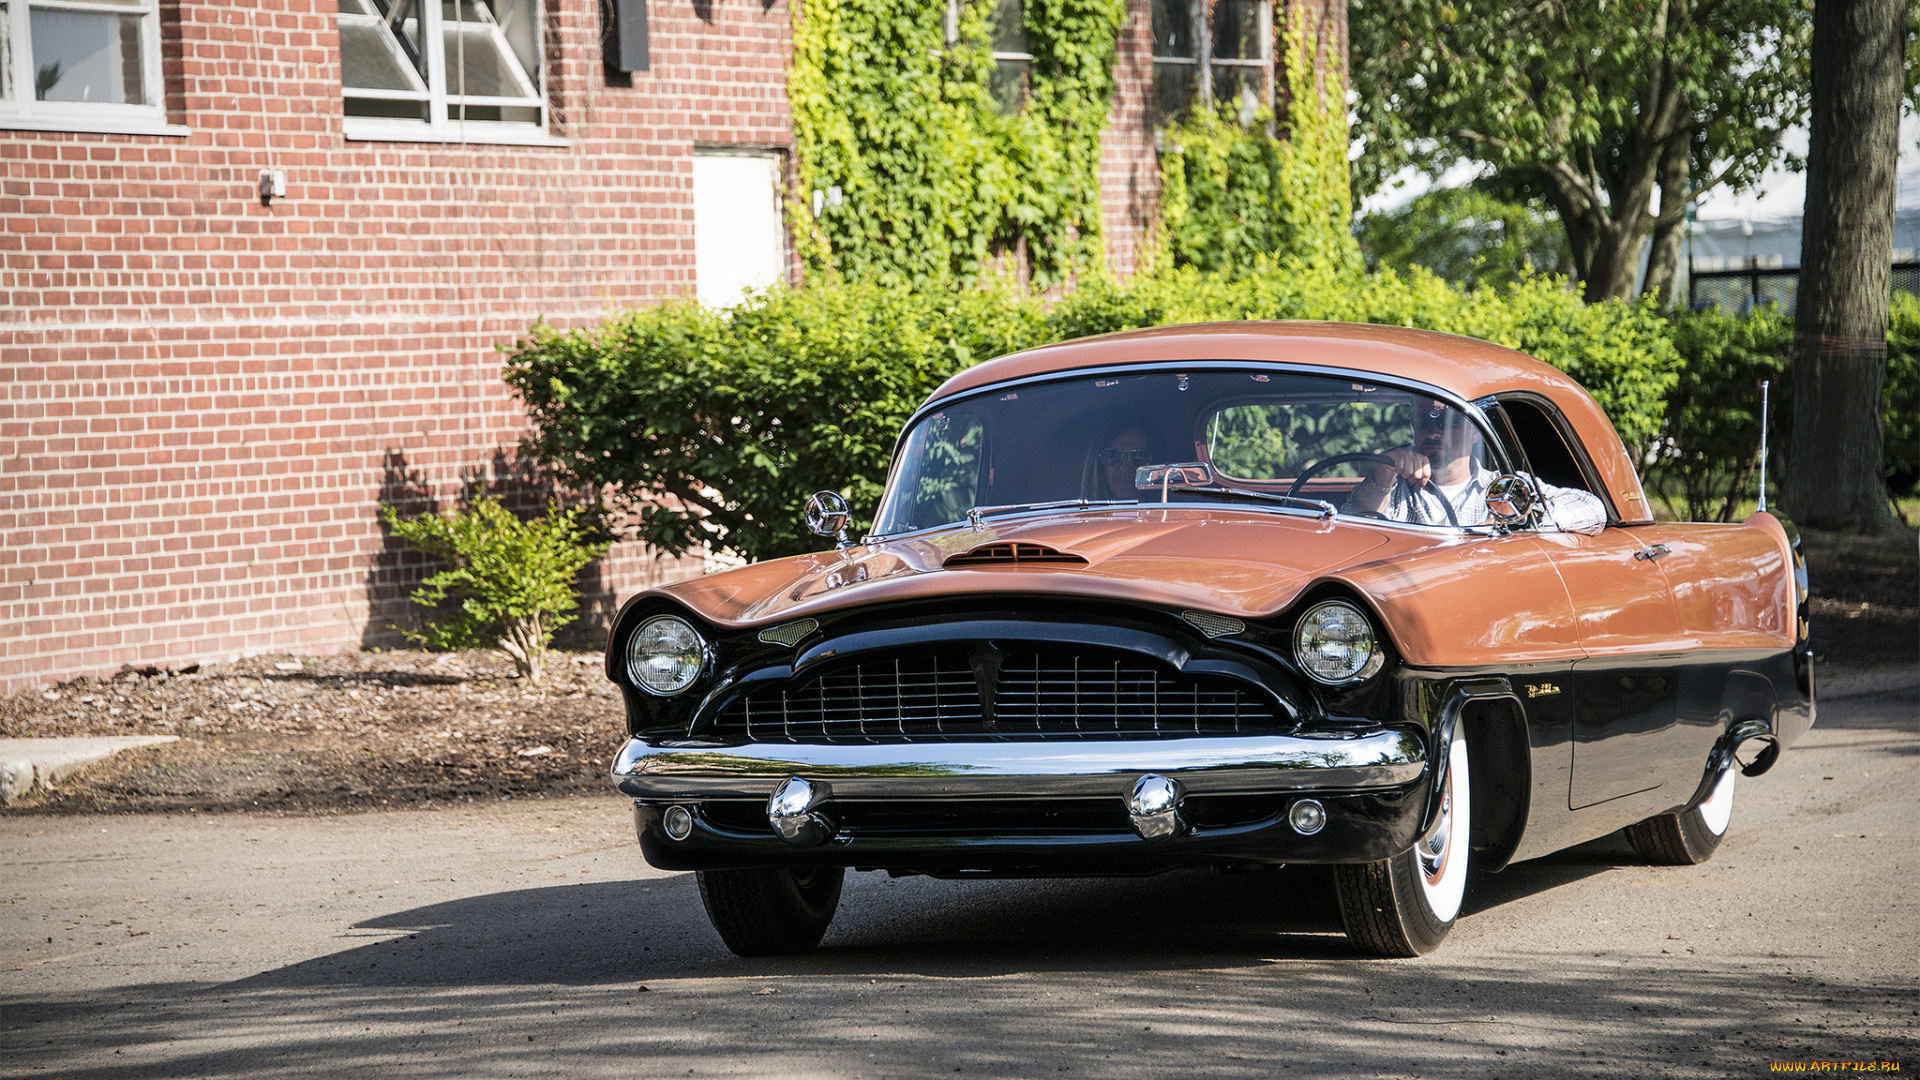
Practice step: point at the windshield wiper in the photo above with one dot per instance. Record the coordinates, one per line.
(977, 513)
(1325, 509)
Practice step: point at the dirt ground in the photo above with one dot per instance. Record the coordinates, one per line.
(361, 731)
(353, 731)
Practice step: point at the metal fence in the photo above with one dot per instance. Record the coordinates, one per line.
(1740, 291)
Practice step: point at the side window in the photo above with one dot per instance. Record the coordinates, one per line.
(1545, 450)
(79, 66)
(459, 70)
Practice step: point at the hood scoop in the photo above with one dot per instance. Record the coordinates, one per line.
(1012, 554)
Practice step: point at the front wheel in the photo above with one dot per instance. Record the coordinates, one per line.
(1405, 905)
(771, 912)
(1691, 836)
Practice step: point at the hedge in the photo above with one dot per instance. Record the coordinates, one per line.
(713, 427)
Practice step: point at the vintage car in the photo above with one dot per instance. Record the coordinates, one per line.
(1218, 596)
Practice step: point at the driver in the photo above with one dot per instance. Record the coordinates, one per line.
(1116, 460)
(1447, 453)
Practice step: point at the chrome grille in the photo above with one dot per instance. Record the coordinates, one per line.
(906, 697)
(1036, 695)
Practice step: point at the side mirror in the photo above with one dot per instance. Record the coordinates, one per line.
(1512, 501)
(828, 515)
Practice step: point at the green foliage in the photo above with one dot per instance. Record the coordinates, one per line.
(1903, 392)
(714, 431)
(1708, 455)
(1234, 198)
(512, 579)
(1466, 236)
(936, 181)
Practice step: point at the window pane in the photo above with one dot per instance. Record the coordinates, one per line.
(1172, 89)
(479, 66)
(369, 61)
(1240, 88)
(1236, 29)
(1010, 27)
(1008, 84)
(520, 24)
(1173, 28)
(382, 107)
(87, 56)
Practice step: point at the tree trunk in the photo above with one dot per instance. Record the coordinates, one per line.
(1837, 477)
(1663, 264)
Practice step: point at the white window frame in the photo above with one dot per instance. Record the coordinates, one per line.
(1201, 14)
(439, 127)
(24, 112)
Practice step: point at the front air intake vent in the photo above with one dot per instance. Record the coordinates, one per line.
(1013, 554)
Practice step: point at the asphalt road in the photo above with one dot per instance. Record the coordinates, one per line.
(528, 939)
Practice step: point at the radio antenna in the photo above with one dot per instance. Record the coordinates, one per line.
(1763, 444)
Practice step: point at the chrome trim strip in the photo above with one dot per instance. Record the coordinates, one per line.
(1248, 765)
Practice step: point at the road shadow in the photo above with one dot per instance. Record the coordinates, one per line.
(617, 932)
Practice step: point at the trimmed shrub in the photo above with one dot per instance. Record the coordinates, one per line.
(512, 579)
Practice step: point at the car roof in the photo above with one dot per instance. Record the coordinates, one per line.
(1467, 367)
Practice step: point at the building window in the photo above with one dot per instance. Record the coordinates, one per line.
(1012, 52)
(80, 66)
(453, 70)
(1220, 52)
(1012, 56)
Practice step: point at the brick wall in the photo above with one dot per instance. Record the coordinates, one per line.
(203, 400)
(1129, 161)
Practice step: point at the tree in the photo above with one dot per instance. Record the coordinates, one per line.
(1836, 477)
(1605, 101)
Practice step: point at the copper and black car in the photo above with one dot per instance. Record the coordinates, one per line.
(1181, 597)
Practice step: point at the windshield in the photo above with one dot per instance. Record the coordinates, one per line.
(1259, 437)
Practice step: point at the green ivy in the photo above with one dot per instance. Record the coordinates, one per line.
(1236, 198)
(936, 183)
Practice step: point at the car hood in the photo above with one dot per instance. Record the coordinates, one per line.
(1243, 563)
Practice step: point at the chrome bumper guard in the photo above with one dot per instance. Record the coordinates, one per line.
(1253, 765)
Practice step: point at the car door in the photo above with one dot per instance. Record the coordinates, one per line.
(1626, 691)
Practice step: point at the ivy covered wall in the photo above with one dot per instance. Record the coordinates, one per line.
(935, 180)
(917, 169)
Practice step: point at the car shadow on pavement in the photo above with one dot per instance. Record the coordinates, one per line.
(608, 932)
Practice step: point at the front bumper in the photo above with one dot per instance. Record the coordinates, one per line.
(1043, 807)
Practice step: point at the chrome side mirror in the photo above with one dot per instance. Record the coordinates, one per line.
(1512, 501)
(828, 515)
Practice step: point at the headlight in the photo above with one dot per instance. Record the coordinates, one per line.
(1335, 643)
(665, 655)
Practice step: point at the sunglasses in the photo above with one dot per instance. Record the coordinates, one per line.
(1123, 457)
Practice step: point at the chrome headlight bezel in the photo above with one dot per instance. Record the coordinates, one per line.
(1339, 623)
(694, 651)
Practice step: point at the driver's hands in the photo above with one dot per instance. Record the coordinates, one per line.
(1409, 465)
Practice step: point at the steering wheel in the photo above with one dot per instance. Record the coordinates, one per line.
(1323, 464)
